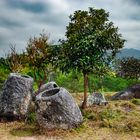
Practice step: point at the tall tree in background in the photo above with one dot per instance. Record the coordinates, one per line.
(91, 43)
(129, 67)
(38, 56)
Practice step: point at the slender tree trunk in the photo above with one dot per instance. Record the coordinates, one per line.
(42, 81)
(45, 76)
(84, 105)
(34, 74)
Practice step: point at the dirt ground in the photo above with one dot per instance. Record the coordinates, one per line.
(21, 131)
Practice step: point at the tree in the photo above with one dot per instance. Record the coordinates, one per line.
(39, 57)
(129, 67)
(14, 60)
(90, 45)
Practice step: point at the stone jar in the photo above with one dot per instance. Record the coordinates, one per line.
(16, 96)
(129, 93)
(96, 98)
(56, 109)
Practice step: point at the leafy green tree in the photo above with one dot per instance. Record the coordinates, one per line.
(39, 57)
(91, 43)
(129, 67)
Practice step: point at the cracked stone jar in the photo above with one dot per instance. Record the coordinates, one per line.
(16, 96)
(56, 109)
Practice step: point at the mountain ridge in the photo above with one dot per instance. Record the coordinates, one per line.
(128, 52)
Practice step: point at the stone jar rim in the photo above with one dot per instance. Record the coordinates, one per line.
(52, 93)
(23, 76)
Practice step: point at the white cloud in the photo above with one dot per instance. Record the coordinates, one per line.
(58, 6)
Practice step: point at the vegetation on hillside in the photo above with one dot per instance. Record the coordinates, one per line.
(129, 67)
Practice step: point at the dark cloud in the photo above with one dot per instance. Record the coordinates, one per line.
(36, 7)
(21, 19)
(135, 17)
(8, 23)
(136, 2)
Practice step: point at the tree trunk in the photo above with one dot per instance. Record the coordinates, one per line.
(34, 74)
(84, 105)
(41, 82)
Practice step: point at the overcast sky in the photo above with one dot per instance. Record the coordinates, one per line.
(21, 19)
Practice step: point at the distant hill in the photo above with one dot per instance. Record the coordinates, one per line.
(129, 53)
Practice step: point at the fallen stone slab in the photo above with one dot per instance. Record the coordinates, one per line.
(16, 96)
(127, 94)
(56, 109)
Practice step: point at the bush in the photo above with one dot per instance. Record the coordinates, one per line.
(31, 118)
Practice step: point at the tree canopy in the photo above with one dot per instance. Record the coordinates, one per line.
(91, 43)
(91, 40)
(39, 56)
(129, 67)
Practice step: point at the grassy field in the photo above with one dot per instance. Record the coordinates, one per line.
(119, 120)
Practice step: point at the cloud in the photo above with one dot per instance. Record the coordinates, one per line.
(136, 2)
(58, 6)
(35, 7)
(4, 22)
(21, 19)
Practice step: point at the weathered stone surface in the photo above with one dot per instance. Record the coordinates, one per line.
(96, 99)
(129, 93)
(16, 95)
(56, 108)
(47, 86)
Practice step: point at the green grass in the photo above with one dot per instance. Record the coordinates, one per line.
(23, 132)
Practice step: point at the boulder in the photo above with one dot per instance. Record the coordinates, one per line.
(96, 99)
(16, 96)
(56, 109)
(129, 93)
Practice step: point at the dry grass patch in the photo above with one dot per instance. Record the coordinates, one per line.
(118, 120)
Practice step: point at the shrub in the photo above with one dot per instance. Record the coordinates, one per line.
(31, 118)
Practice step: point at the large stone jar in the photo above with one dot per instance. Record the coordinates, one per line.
(56, 109)
(96, 98)
(129, 93)
(16, 96)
